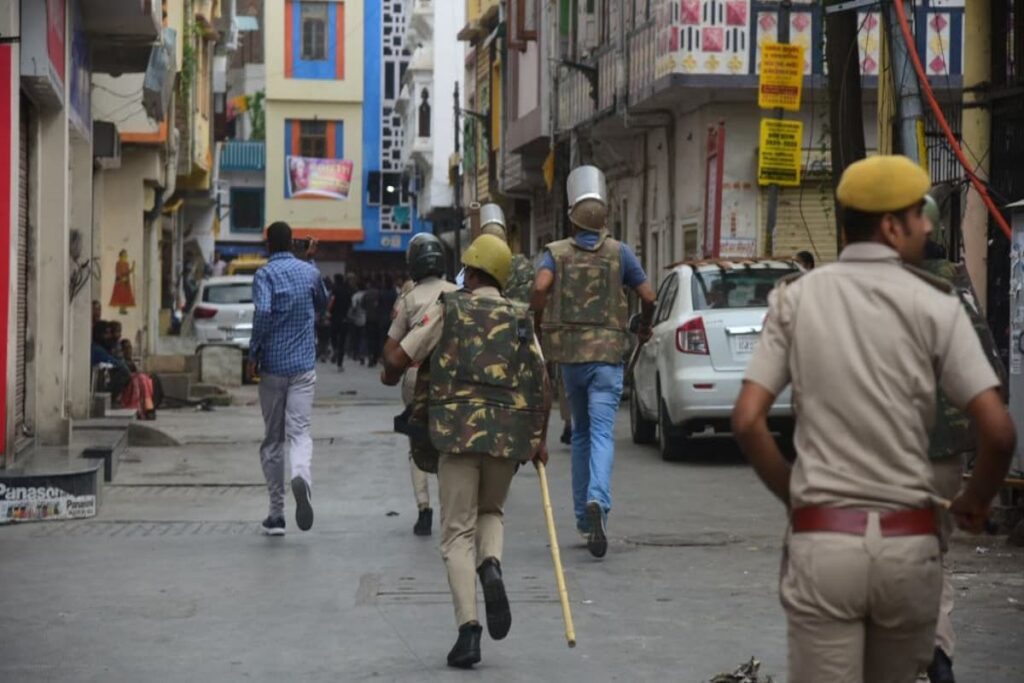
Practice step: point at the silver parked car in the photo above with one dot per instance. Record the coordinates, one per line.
(223, 311)
(706, 324)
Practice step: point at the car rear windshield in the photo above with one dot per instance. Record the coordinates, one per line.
(740, 288)
(240, 293)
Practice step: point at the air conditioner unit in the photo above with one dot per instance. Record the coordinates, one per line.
(106, 145)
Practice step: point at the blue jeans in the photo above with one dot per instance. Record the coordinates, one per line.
(594, 391)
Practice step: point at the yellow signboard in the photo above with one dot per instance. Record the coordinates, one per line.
(778, 158)
(782, 76)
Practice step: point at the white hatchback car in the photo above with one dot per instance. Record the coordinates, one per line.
(706, 324)
(223, 311)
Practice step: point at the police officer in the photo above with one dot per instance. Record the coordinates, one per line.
(951, 440)
(585, 331)
(865, 343)
(488, 406)
(425, 259)
(520, 282)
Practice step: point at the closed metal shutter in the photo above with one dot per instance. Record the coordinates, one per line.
(805, 221)
(22, 274)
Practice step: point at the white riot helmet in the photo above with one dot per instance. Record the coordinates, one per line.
(492, 221)
(588, 198)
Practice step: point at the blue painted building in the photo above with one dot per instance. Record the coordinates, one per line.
(389, 215)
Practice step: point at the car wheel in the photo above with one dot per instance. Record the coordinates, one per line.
(644, 431)
(670, 441)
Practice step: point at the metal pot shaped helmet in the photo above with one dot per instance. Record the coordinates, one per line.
(588, 198)
(492, 221)
(491, 255)
(425, 256)
(931, 212)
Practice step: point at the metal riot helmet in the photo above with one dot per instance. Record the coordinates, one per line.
(588, 198)
(425, 256)
(492, 221)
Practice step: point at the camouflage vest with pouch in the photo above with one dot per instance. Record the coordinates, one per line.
(486, 379)
(520, 283)
(587, 316)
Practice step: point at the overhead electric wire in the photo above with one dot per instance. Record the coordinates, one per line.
(926, 89)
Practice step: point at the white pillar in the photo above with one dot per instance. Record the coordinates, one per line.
(81, 305)
(52, 319)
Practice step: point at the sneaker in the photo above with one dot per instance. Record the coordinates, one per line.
(597, 541)
(583, 529)
(499, 617)
(424, 522)
(466, 651)
(273, 526)
(303, 507)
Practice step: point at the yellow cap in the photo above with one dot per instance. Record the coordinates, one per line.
(491, 255)
(882, 183)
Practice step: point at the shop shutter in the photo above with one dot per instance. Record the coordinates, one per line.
(22, 274)
(805, 220)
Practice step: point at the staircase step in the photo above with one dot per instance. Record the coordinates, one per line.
(106, 445)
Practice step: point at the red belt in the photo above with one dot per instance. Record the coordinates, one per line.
(913, 522)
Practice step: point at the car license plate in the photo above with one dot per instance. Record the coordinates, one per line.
(744, 344)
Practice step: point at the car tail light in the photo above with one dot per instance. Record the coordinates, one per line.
(204, 313)
(690, 337)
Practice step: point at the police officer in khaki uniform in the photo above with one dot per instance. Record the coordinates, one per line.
(425, 259)
(865, 343)
(489, 404)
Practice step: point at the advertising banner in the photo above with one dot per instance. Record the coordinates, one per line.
(307, 177)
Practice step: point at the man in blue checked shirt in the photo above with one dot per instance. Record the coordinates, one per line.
(288, 293)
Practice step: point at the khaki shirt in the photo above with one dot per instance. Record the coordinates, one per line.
(410, 305)
(864, 342)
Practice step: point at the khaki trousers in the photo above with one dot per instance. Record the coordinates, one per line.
(860, 609)
(948, 474)
(472, 489)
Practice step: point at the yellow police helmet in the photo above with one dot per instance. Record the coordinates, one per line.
(491, 255)
(882, 183)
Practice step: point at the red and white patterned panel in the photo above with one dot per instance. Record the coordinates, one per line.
(702, 36)
(869, 43)
(801, 32)
(938, 47)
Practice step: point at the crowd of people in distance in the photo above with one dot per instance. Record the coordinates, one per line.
(128, 386)
(357, 317)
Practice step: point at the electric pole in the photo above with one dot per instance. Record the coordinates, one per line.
(773, 189)
(908, 91)
(457, 192)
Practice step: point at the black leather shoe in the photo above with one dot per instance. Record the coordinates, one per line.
(499, 617)
(941, 668)
(466, 651)
(567, 434)
(424, 523)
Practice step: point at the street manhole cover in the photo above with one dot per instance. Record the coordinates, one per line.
(710, 538)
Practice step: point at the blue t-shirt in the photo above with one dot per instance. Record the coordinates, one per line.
(633, 274)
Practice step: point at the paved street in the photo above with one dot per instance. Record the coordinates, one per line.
(173, 582)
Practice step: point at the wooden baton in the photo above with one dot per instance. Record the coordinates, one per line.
(556, 558)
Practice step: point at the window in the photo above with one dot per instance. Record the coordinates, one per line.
(314, 31)
(666, 298)
(373, 188)
(747, 288)
(423, 125)
(246, 209)
(392, 190)
(313, 139)
(240, 293)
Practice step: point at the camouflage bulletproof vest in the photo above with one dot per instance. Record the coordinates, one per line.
(520, 283)
(587, 317)
(486, 379)
(951, 434)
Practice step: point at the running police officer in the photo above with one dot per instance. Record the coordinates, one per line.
(865, 343)
(520, 282)
(425, 259)
(488, 410)
(585, 331)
